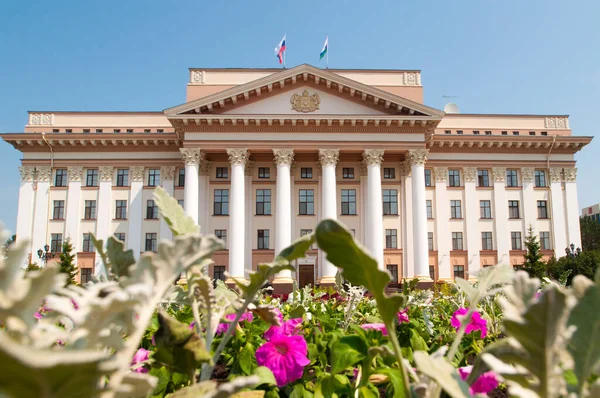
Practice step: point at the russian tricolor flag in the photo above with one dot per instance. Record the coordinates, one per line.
(280, 49)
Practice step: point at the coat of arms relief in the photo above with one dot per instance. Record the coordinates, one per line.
(305, 103)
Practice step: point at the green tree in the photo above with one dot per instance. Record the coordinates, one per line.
(590, 233)
(67, 262)
(7, 244)
(533, 258)
(33, 267)
(586, 264)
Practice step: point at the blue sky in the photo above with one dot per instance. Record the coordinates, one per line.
(512, 56)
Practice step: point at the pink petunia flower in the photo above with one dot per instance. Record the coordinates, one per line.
(37, 315)
(484, 383)
(285, 356)
(477, 322)
(288, 328)
(375, 326)
(222, 327)
(191, 327)
(403, 316)
(140, 356)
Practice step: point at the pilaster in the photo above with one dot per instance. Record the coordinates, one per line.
(529, 201)
(502, 237)
(25, 206)
(42, 193)
(167, 174)
(471, 216)
(572, 207)
(134, 233)
(442, 222)
(73, 217)
(558, 211)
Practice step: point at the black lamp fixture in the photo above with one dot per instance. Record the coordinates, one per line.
(45, 254)
(571, 251)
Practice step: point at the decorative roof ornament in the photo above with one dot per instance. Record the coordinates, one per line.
(305, 103)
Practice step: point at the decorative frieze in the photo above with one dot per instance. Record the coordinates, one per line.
(106, 173)
(136, 173)
(41, 119)
(283, 156)
(441, 174)
(27, 173)
(44, 173)
(570, 174)
(75, 173)
(238, 156)
(412, 79)
(373, 156)
(192, 156)
(559, 123)
(555, 174)
(167, 172)
(470, 174)
(197, 77)
(499, 174)
(329, 156)
(527, 174)
(417, 157)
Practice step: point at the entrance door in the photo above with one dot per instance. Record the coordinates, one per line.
(306, 275)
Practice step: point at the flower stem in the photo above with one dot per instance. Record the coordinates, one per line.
(391, 328)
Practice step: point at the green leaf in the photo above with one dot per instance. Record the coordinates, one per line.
(396, 382)
(247, 359)
(297, 312)
(348, 351)
(120, 260)
(164, 377)
(173, 214)
(416, 341)
(99, 246)
(332, 386)
(260, 277)
(300, 392)
(442, 372)
(358, 267)
(135, 385)
(297, 249)
(209, 389)
(265, 376)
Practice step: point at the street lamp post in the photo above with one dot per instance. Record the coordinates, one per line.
(45, 255)
(571, 251)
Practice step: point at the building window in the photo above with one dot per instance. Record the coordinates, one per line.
(545, 241)
(459, 271)
(515, 240)
(86, 131)
(130, 130)
(348, 172)
(91, 179)
(389, 173)
(349, 202)
(60, 178)
(151, 210)
(430, 240)
(86, 275)
(542, 206)
(544, 133)
(457, 241)
(153, 177)
(89, 210)
(58, 212)
(263, 202)
(515, 133)
(393, 270)
(505, 133)
(459, 131)
(222, 172)
(120, 236)
(488, 132)
(447, 131)
(263, 239)
(455, 209)
(540, 178)
(56, 243)
(391, 239)
(454, 178)
(483, 178)
(427, 177)
(121, 209)
(151, 242)
(512, 178)
(390, 201)
(180, 202)
(307, 202)
(181, 177)
(485, 209)
(221, 202)
(513, 209)
(116, 130)
(429, 208)
(87, 243)
(160, 130)
(306, 172)
(222, 234)
(122, 177)
(432, 272)
(264, 172)
(532, 133)
(146, 130)
(476, 132)
(486, 241)
(219, 272)
(98, 130)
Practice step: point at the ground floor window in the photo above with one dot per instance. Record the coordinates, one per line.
(393, 269)
(459, 271)
(432, 272)
(219, 272)
(86, 275)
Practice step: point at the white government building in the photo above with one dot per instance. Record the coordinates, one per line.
(259, 156)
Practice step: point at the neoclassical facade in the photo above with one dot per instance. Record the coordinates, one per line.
(259, 156)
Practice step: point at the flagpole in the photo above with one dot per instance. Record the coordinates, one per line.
(327, 53)
(284, 51)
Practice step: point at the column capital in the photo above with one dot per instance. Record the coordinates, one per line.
(136, 173)
(417, 157)
(499, 174)
(238, 156)
(373, 157)
(441, 174)
(405, 168)
(329, 156)
(44, 173)
(167, 172)
(27, 173)
(192, 156)
(364, 170)
(571, 174)
(555, 174)
(470, 174)
(249, 168)
(205, 168)
(283, 156)
(75, 173)
(527, 173)
(106, 173)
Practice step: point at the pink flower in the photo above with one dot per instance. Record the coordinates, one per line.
(403, 316)
(37, 315)
(375, 326)
(287, 328)
(285, 356)
(222, 327)
(477, 322)
(191, 327)
(247, 317)
(484, 383)
(140, 356)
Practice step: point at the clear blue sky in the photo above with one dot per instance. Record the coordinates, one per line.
(512, 56)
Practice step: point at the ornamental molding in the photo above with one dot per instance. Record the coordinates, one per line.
(167, 172)
(570, 174)
(283, 156)
(470, 174)
(499, 174)
(417, 157)
(27, 173)
(249, 169)
(136, 173)
(106, 173)
(75, 173)
(555, 174)
(329, 156)
(44, 173)
(192, 156)
(41, 119)
(305, 103)
(405, 168)
(412, 79)
(364, 170)
(373, 157)
(441, 174)
(238, 156)
(197, 77)
(527, 173)
(205, 168)
(557, 122)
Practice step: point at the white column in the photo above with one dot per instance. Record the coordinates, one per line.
(40, 225)
(364, 205)
(558, 211)
(529, 202)
(417, 159)
(442, 222)
(192, 158)
(407, 217)
(25, 209)
(374, 238)
(248, 171)
(328, 159)
(283, 211)
(502, 237)
(572, 207)
(237, 233)
(134, 233)
(73, 216)
(471, 215)
(204, 197)
(104, 204)
(167, 176)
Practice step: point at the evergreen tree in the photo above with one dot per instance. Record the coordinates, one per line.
(533, 258)
(33, 267)
(67, 262)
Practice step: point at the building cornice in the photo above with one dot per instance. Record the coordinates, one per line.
(508, 144)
